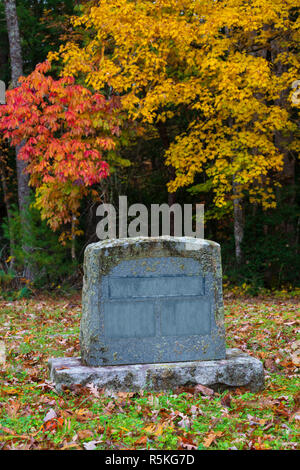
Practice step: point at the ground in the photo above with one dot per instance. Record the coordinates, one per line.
(33, 416)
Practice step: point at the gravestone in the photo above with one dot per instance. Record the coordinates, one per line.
(152, 300)
(152, 317)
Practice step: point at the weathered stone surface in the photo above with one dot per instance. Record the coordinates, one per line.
(236, 370)
(152, 300)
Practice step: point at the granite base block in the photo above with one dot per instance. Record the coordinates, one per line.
(238, 369)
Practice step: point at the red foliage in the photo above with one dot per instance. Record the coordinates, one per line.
(65, 128)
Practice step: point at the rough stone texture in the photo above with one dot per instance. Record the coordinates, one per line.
(152, 300)
(236, 370)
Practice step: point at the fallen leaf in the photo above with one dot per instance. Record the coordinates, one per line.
(295, 416)
(204, 390)
(184, 423)
(93, 389)
(12, 409)
(141, 441)
(296, 358)
(159, 430)
(70, 445)
(83, 415)
(2, 353)
(297, 399)
(85, 434)
(150, 428)
(50, 415)
(47, 385)
(270, 364)
(91, 445)
(211, 437)
(11, 391)
(187, 444)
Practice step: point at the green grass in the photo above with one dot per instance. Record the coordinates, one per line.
(35, 329)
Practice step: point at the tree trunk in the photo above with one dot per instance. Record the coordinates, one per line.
(171, 196)
(73, 236)
(238, 213)
(16, 65)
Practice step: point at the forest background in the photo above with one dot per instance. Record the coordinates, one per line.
(180, 101)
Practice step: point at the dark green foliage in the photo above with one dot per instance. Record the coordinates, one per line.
(271, 250)
(51, 261)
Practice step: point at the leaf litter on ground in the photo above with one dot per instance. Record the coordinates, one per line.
(34, 416)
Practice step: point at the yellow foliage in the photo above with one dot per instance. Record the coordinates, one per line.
(170, 57)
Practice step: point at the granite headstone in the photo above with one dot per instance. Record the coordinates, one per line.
(152, 300)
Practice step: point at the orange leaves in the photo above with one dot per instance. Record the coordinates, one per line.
(66, 130)
(52, 422)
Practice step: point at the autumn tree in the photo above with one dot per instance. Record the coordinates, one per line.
(211, 62)
(66, 130)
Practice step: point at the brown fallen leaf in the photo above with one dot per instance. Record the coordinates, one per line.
(262, 403)
(187, 444)
(204, 390)
(296, 358)
(70, 445)
(211, 437)
(85, 434)
(83, 415)
(270, 365)
(12, 409)
(124, 395)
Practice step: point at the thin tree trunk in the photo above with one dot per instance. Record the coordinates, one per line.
(166, 143)
(73, 236)
(238, 213)
(16, 72)
(13, 31)
(16, 65)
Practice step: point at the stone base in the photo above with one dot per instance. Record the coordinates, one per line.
(237, 370)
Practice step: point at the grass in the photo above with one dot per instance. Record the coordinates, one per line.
(86, 418)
